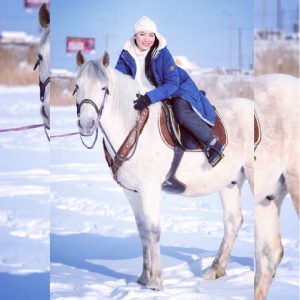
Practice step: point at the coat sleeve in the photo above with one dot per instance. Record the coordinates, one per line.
(121, 65)
(166, 69)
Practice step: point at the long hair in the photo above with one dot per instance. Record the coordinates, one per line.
(148, 63)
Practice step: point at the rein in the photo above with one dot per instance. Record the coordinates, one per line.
(130, 143)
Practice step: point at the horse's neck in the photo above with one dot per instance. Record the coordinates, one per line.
(119, 116)
(44, 49)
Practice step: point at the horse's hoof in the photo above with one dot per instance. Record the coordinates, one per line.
(212, 274)
(155, 284)
(143, 279)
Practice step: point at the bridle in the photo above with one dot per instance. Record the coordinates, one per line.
(99, 115)
(42, 86)
(98, 111)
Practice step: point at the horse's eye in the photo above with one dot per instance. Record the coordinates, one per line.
(40, 57)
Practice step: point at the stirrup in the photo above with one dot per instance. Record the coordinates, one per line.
(215, 157)
(215, 162)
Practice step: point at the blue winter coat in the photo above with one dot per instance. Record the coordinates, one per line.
(173, 82)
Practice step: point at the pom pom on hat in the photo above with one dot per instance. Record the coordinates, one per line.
(145, 23)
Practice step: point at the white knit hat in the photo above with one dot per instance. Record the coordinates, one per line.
(145, 23)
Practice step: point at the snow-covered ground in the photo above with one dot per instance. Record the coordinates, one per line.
(24, 198)
(94, 246)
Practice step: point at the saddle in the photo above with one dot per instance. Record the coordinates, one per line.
(181, 141)
(172, 134)
(257, 131)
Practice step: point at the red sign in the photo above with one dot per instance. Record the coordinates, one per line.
(35, 3)
(84, 44)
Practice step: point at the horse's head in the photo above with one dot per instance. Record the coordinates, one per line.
(44, 64)
(91, 92)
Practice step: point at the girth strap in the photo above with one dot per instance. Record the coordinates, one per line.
(128, 144)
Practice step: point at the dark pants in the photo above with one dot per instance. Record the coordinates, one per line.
(191, 121)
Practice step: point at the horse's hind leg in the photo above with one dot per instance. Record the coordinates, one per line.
(147, 216)
(292, 183)
(268, 246)
(233, 219)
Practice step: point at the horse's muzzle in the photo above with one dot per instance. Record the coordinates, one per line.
(87, 129)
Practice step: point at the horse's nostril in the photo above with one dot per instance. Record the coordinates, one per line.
(93, 123)
(79, 124)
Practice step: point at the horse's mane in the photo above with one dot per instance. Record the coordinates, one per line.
(92, 69)
(45, 36)
(122, 88)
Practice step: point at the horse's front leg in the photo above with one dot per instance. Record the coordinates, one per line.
(146, 208)
(233, 219)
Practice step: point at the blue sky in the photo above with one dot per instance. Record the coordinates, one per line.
(198, 29)
(206, 31)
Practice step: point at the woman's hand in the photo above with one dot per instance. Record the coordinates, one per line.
(142, 102)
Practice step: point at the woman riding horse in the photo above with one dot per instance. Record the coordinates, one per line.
(146, 58)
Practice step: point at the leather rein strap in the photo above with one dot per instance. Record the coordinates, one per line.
(129, 144)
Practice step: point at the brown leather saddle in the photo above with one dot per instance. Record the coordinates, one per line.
(172, 134)
(181, 141)
(257, 131)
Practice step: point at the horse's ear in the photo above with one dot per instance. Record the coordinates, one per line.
(105, 59)
(44, 16)
(79, 58)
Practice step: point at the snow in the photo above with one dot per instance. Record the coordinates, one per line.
(94, 245)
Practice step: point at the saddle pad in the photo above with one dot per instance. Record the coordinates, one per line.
(219, 130)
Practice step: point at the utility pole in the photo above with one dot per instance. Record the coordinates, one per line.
(229, 37)
(279, 19)
(240, 49)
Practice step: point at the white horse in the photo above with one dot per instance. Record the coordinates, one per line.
(276, 169)
(145, 172)
(43, 61)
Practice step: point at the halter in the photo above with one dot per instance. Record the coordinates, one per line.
(42, 86)
(98, 111)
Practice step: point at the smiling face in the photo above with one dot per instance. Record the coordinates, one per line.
(144, 39)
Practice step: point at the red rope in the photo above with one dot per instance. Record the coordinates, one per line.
(22, 128)
(62, 135)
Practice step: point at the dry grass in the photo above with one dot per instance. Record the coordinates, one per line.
(61, 91)
(276, 57)
(16, 64)
(220, 87)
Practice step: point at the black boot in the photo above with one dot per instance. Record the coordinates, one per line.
(214, 151)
